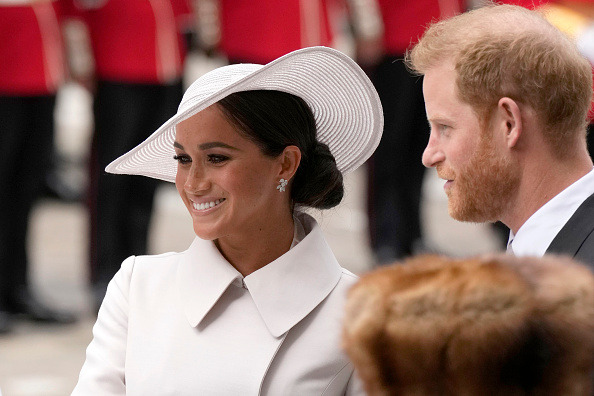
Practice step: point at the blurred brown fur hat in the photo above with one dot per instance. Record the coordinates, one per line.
(493, 325)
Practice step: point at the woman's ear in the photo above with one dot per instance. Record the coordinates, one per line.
(509, 121)
(290, 159)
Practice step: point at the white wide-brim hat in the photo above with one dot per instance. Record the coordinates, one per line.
(345, 105)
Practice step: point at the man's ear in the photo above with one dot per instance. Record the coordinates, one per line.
(509, 121)
(290, 159)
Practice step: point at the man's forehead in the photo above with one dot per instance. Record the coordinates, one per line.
(439, 78)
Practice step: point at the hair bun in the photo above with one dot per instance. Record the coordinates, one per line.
(318, 183)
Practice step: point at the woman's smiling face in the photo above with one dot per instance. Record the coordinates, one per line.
(224, 179)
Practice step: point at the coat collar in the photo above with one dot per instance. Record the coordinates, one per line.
(284, 291)
(573, 234)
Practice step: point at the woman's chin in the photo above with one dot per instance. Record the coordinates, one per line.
(205, 234)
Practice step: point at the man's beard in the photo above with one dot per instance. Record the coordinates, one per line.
(482, 190)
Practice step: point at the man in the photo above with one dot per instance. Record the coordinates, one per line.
(506, 96)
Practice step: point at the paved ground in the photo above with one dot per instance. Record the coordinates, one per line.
(45, 360)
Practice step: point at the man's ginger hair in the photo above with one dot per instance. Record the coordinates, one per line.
(509, 51)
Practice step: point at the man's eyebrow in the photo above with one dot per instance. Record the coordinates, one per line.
(435, 116)
(439, 119)
(178, 145)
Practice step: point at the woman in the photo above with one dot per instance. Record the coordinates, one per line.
(254, 305)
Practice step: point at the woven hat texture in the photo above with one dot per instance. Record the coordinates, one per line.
(346, 108)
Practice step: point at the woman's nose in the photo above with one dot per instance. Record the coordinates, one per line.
(433, 154)
(196, 180)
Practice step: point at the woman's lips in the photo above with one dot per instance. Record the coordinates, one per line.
(207, 206)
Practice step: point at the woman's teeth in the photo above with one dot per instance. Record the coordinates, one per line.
(207, 205)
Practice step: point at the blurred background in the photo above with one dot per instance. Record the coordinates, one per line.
(392, 208)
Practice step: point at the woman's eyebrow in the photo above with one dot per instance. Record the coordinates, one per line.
(206, 146)
(209, 145)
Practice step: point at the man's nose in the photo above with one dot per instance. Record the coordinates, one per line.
(433, 154)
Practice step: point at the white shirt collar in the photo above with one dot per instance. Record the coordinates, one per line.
(536, 234)
(284, 291)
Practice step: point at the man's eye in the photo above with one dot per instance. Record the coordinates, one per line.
(443, 129)
(182, 159)
(217, 158)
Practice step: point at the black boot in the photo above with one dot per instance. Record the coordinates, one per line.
(6, 322)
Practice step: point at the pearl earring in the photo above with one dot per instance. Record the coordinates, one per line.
(281, 185)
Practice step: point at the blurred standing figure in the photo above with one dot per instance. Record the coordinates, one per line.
(395, 170)
(31, 71)
(259, 31)
(139, 56)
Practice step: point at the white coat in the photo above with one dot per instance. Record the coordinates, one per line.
(189, 324)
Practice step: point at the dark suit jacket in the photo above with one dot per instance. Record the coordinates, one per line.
(576, 238)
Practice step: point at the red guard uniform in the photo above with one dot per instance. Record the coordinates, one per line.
(30, 48)
(260, 31)
(137, 41)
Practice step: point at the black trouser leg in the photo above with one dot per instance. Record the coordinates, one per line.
(395, 169)
(26, 144)
(121, 206)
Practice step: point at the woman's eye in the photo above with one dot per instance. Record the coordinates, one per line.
(217, 158)
(182, 159)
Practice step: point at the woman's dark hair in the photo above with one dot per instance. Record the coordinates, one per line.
(274, 120)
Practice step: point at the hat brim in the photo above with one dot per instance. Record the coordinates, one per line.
(345, 105)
